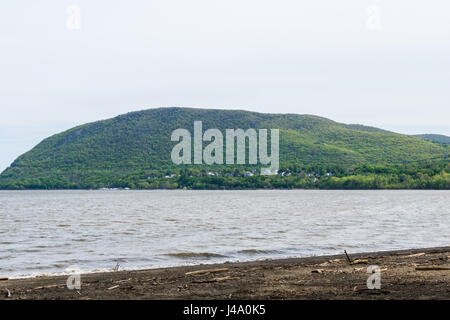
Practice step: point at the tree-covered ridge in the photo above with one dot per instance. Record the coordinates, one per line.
(437, 138)
(134, 148)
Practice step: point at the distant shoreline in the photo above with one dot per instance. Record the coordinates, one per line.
(405, 274)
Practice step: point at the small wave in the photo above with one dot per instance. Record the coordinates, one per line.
(32, 250)
(35, 267)
(258, 251)
(187, 255)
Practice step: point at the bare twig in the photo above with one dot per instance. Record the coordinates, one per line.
(116, 268)
(348, 258)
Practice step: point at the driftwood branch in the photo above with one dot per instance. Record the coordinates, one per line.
(432, 268)
(348, 258)
(217, 279)
(206, 271)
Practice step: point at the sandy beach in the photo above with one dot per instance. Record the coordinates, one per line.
(405, 274)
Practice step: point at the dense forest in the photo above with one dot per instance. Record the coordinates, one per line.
(438, 138)
(431, 176)
(133, 151)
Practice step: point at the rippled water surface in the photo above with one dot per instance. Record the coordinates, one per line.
(48, 231)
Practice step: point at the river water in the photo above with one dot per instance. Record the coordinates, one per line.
(43, 232)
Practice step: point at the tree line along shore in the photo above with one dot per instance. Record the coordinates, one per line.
(434, 175)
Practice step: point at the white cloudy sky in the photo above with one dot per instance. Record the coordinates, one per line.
(308, 57)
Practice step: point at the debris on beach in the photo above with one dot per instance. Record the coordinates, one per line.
(217, 279)
(415, 255)
(348, 258)
(297, 278)
(116, 268)
(256, 268)
(46, 287)
(206, 271)
(432, 268)
(114, 287)
(359, 269)
(359, 261)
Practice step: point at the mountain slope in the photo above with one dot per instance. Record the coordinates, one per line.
(437, 138)
(137, 143)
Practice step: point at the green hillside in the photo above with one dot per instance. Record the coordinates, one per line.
(132, 149)
(437, 138)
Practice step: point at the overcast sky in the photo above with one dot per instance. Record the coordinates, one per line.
(380, 63)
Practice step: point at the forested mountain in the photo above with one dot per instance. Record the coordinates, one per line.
(134, 148)
(437, 138)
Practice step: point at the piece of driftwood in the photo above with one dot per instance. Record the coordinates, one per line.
(114, 287)
(415, 255)
(432, 268)
(359, 269)
(217, 279)
(8, 293)
(206, 271)
(45, 287)
(359, 261)
(256, 268)
(317, 271)
(348, 258)
(363, 289)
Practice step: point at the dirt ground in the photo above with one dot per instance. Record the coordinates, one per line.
(405, 274)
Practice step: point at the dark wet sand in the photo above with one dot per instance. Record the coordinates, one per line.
(405, 274)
